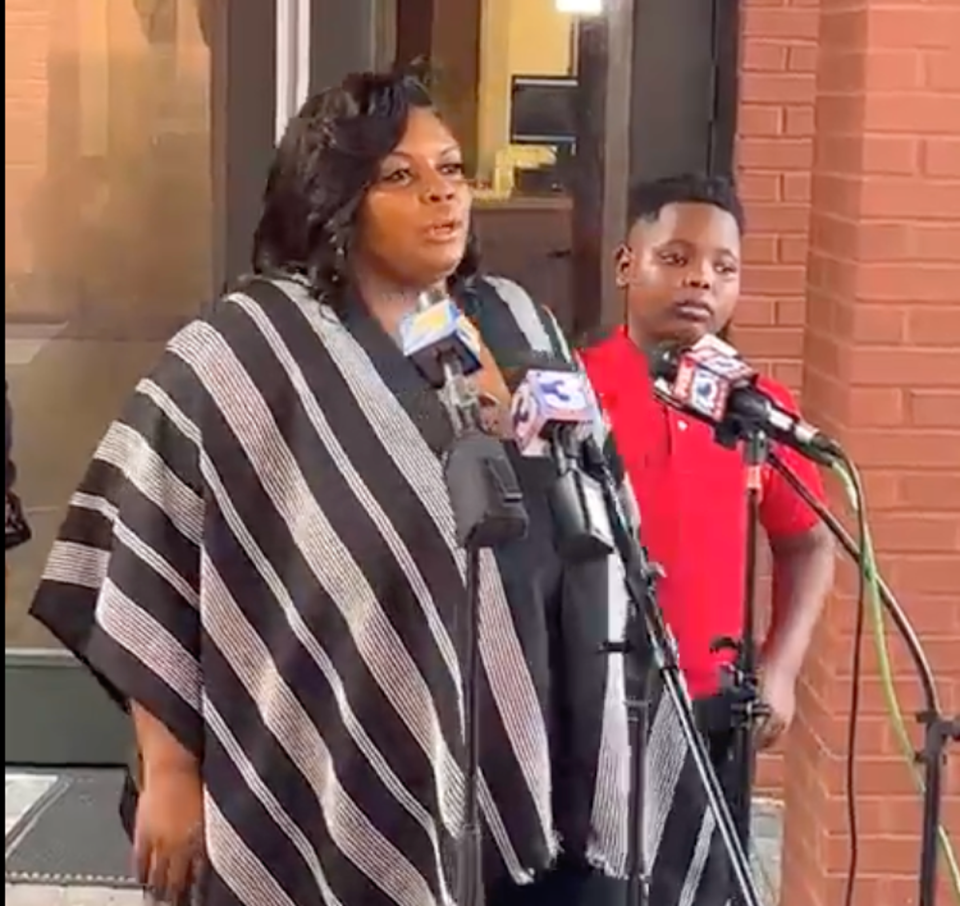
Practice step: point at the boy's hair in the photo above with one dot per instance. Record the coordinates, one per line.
(648, 199)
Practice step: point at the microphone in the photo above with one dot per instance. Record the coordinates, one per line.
(710, 381)
(485, 495)
(554, 413)
(445, 346)
(551, 406)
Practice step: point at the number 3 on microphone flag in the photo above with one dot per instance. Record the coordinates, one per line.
(565, 392)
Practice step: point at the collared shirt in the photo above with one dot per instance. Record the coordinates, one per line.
(693, 504)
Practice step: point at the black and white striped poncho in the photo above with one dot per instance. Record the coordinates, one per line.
(262, 554)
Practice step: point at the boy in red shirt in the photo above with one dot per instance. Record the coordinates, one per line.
(680, 270)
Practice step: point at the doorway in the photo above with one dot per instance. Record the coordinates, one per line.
(140, 135)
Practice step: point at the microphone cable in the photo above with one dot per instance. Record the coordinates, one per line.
(856, 492)
(871, 603)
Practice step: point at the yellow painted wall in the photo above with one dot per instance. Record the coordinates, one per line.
(518, 37)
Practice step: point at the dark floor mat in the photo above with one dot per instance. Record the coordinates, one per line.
(72, 836)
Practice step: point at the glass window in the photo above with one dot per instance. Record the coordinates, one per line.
(504, 73)
(108, 232)
(527, 75)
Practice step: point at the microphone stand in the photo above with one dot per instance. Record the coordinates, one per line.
(742, 681)
(650, 650)
(488, 510)
(939, 730)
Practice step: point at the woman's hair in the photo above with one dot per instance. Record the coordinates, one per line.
(326, 162)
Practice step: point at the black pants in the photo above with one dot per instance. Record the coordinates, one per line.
(571, 884)
(568, 884)
(716, 722)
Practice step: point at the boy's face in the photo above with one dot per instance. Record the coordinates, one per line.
(681, 273)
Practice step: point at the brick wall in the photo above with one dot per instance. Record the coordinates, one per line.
(774, 157)
(850, 138)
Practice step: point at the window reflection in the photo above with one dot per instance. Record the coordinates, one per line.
(526, 79)
(108, 230)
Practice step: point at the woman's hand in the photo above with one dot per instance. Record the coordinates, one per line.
(168, 837)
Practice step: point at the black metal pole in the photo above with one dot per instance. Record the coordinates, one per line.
(938, 729)
(937, 732)
(650, 648)
(638, 673)
(471, 859)
(747, 708)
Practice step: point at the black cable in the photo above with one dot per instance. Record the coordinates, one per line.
(855, 688)
(858, 636)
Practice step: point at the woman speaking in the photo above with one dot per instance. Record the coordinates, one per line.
(260, 564)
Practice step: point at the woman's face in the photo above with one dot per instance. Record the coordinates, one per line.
(414, 221)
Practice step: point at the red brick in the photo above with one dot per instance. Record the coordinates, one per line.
(935, 242)
(836, 113)
(908, 283)
(938, 326)
(791, 312)
(842, 28)
(799, 121)
(796, 186)
(889, 154)
(878, 853)
(910, 113)
(911, 533)
(889, 71)
(774, 280)
(780, 23)
(763, 56)
(930, 574)
(931, 491)
(760, 248)
(776, 342)
(787, 88)
(779, 218)
(793, 250)
(790, 374)
(759, 187)
(916, 449)
(942, 70)
(884, 241)
(760, 120)
(875, 406)
(941, 157)
(905, 27)
(935, 408)
(755, 311)
(803, 58)
(893, 367)
(874, 324)
(913, 198)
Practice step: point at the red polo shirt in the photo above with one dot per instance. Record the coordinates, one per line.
(692, 498)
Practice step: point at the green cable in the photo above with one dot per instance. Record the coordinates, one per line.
(875, 603)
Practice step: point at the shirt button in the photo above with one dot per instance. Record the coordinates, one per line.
(682, 425)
